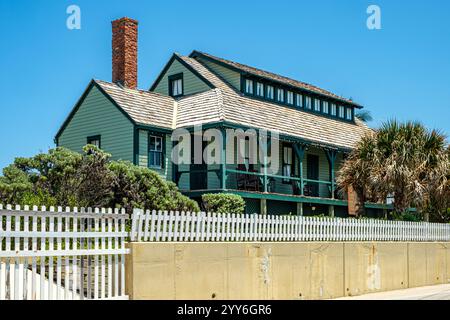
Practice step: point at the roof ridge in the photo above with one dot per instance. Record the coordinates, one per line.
(220, 103)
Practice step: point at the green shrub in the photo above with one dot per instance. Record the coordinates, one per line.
(65, 178)
(223, 203)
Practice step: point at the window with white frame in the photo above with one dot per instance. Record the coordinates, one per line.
(308, 103)
(317, 105)
(280, 95)
(299, 100)
(333, 110)
(155, 151)
(270, 92)
(341, 112)
(259, 89)
(290, 97)
(248, 86)
(325, 107)
(287, 163)
(349, 115)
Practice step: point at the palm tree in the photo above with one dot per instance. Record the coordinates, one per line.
(400, 159)
(364, 115)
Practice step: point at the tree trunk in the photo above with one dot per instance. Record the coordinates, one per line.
(355, 202)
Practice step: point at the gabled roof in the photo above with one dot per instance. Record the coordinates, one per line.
(242, 68)
(241, 110)
(143, 107)
(177, 57)
(224, 104)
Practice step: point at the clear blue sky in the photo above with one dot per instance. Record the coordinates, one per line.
(401, 71)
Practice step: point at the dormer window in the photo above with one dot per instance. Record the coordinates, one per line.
(249, 86)
(308, 103)
(333, 110)
(311, 102)
(341, 112)
(325, 108)
(270, 92)
(290, 97)
(280, 95)
(176, 85)
(317, 105)
(299, 100)
(349, 114)
(259, 89)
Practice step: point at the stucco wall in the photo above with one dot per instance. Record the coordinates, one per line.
(281, 270)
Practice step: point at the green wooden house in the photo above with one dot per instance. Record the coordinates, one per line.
(317, 128)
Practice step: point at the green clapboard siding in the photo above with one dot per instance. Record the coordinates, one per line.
(98, 116)
(166, 171)
(192, 84)
(232, 77)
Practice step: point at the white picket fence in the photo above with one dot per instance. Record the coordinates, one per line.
(62, 254)
(176, 226)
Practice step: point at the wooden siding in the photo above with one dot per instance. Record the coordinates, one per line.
(143, 148)
(230, 76)
(166, 171)
(191, 83)
(98, 116)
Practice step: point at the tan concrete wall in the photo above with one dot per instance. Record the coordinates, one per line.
(317, 270)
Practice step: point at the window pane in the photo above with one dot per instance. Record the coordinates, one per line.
(349, 114)
(341, 112)
(299, 101)
(333, 109)
(317, 105)
(287, 155)
(325, 107)
(290, 97)
(270, 92)
(280, 95)
(260, 89)
(308, 103)
(249, 86)
(155, 143)
(176, 87)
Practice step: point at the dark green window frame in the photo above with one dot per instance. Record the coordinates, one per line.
(92, 139)
(171, 79)
(304, 96)
(156, 154)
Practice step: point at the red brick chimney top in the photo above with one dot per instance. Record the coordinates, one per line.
(124, 52)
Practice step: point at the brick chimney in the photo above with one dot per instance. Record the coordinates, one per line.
(124, 52)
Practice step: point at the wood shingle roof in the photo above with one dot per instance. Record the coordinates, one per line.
(225, 104)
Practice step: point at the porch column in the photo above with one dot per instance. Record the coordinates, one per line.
(331, 211)
(223, 160)
(331, 156)
(263, 208)
(300, 152)
(300, 209)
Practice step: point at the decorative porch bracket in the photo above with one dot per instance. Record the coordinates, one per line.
(331, 156)
(300, 152)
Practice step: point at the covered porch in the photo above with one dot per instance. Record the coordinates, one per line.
(305, 170)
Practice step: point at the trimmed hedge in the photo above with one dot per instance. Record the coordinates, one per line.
(223, 203)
